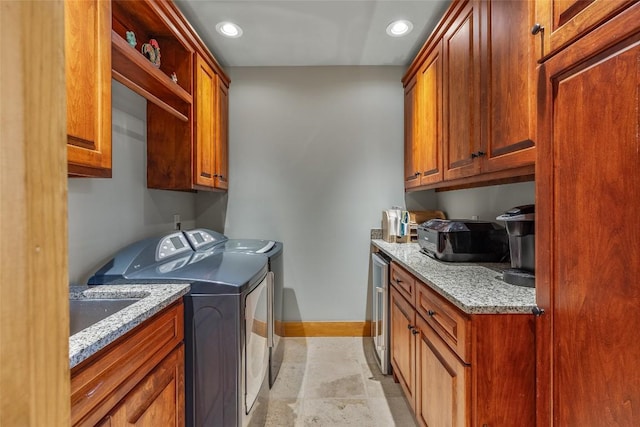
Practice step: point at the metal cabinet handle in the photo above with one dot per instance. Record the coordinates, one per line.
(537, 311)
(414, 331)
(474, 155)
(537, 28)
(416, 174)
(410, 327)
(481, 154)
(431, 313)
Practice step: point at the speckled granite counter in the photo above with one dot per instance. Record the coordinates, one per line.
(475, 289)
(97, 336)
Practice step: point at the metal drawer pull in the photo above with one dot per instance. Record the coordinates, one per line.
(431, 313)
(537, 28)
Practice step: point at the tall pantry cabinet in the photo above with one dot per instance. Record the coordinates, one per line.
(588, 234)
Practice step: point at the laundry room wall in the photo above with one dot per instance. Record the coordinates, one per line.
(108, 214)
(315, 155)
(485, 202)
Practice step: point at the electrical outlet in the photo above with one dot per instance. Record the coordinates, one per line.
(176, 222)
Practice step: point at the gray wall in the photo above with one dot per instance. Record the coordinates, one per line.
(107, 214)
(485, 202)
(315, 154)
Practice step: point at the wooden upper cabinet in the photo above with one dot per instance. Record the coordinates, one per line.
(205, 126)
(222, 136)
(187, 119)
(508, 82)
(461, 60)
(564, 21)
(211, 128)
(411, 139)
(429, 113)
(88, 82)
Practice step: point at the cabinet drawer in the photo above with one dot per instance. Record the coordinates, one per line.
(404, 282)
(449, 323)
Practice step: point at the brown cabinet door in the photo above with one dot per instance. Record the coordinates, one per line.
(443, 382)
(205, 104)
(88, 81)
(158, 400)
(508, 68)
(429, 120)
(587, 230)
(222, 137)
(566, 20)
(411, 146)
(461, 61)
(403, 344)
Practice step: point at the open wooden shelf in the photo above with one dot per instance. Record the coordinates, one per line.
(133, 70)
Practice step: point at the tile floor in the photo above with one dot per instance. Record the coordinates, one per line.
(332, 382)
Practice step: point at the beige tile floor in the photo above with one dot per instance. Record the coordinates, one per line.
(332, 382)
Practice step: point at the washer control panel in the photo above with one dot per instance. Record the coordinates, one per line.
(172, 244)
(200, 237)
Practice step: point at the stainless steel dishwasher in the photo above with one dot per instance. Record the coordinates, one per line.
(380, 310)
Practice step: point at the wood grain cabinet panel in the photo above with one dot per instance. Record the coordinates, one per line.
(403, 281)
(461, 45)
(429, 120)
(158, 400)
(205, 124)
(222, 136)
(564, 21)
(450, 324)
(88, 82)
(411, 138)
(443, 382)
(587, 236)
(509, 85)
(403, 340)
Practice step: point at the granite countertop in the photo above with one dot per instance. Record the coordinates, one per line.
(88, 341)
(473, 288)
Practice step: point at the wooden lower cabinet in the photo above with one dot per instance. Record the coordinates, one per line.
(493, 386)
(443, 385)
(137, 380)
(403, 341)
(158, 400)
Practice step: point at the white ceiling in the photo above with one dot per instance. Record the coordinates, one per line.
(313, 32)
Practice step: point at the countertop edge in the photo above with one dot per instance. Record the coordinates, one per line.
(468, 309)
(91, 340)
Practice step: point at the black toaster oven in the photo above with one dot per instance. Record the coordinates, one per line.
(462, 240)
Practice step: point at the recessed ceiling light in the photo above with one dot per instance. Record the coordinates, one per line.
(229, 29)
(399, 28)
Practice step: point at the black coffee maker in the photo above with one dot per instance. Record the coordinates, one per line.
(520, 224)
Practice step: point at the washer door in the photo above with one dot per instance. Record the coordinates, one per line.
(256, 346)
